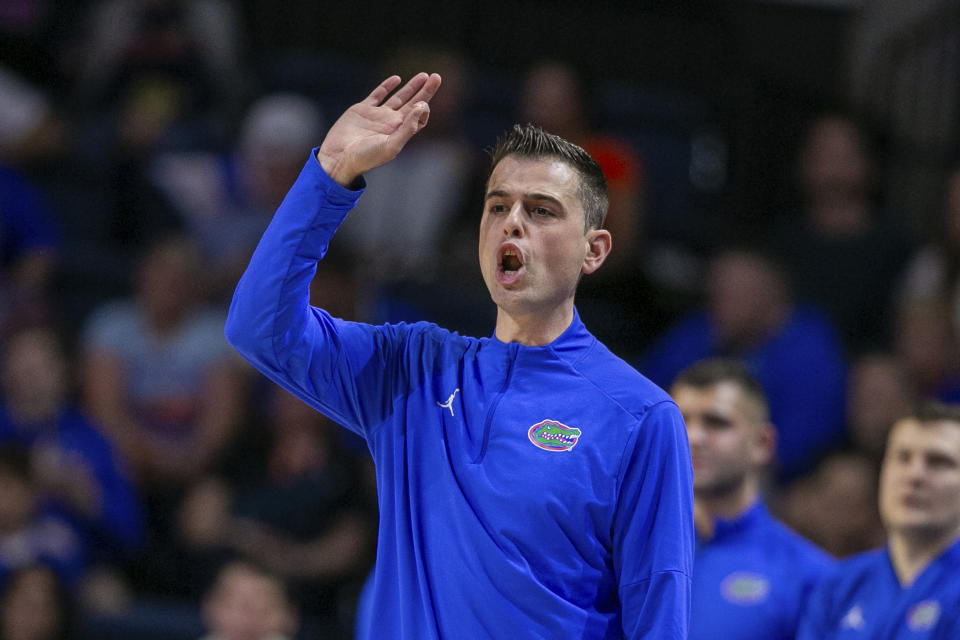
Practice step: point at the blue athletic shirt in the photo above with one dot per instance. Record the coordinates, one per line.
(862, 599)
(752, 579)
(524, 492)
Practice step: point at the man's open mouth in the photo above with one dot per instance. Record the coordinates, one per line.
(510, 261)
(510, 265)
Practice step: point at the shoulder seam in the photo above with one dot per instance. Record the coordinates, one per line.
(573, 364)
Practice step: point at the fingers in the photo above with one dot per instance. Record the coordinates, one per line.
(407, 91)
(420, 88)
(383, 90)
(428, 89)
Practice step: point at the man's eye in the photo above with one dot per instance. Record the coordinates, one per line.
(942, 462)
(497, 208)
(715, 423)
(542, 211)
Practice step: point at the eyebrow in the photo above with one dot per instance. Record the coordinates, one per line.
(715, 417)
(499, 193)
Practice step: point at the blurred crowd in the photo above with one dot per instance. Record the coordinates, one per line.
(152, 486)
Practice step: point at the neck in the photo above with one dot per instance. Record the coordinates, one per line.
(533, 329)
(728, 504)
(776, 314)
(911, 553)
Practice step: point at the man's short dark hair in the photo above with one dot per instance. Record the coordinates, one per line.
(530, 141)
(712, 371)
(933, 411)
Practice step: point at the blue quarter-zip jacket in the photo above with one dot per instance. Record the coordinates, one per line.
(862, 599)
(752, 579)
(524, 492)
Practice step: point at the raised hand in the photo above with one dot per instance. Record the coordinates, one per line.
(372, 132)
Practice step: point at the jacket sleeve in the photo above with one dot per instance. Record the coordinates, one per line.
(653, 529)
(322, 360)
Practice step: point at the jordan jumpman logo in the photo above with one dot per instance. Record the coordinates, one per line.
(449, 403)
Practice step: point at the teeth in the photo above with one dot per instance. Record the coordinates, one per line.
(510, 261)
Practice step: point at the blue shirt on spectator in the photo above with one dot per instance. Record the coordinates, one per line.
(25, 223)
(119, 527)
(802, 368)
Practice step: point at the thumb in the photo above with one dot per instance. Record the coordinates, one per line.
(420, 115)
(414, 121)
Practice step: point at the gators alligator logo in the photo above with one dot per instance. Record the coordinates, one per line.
(551, 435)
(745, 588)
(923, 615)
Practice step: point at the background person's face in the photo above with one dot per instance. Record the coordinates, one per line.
(920, 479)
(725, 437)
(741, 291)
(247, 606)
(34, 373)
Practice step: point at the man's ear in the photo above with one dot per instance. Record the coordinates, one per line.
(764, 449)
(599, 244)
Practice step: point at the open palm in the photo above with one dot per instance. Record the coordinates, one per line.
(373, 131)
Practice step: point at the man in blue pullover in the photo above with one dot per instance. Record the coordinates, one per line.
(908, 589)
(752, 575)
(530, 484)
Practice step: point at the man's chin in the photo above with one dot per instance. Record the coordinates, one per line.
(714, 489)
(510, 299)
(919, 530)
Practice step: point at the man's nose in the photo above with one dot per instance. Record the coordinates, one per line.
(915, 469)
(513, 222)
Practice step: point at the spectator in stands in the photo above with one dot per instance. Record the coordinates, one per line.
(248, 602)
(925, 341)
(841, 253)
(28, 533)
(159, 377)
(78, 473)
(226, 199)
(196, 44)
(880, 392)
(148, 76)
(792, 350)
(158, 374)
(751, 575)
(303, 516)
(35, 604)
(909, 587)
(835, 505)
